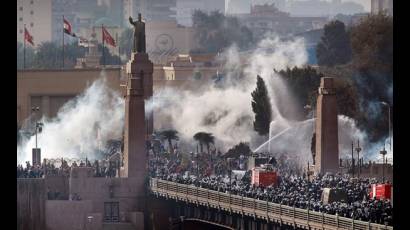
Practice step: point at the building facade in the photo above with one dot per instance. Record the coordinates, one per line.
(51, 89)
(268, 19)
(37, 16)
(378, 6)
(185, 9)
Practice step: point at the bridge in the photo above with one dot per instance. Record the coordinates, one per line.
(237, 212)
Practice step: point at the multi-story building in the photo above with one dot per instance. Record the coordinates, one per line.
(267, 18)
(238, 6)
(185, 9)
(378, 6)
(59, 9)
(37, 16)
(159, 10)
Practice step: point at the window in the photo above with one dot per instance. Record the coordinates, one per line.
(31, 24)
(21, 31)
(31, 2)
(21, 8)
(20, 19)
(31, 12)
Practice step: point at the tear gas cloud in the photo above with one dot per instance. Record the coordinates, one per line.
(225, 111)
(82, 126)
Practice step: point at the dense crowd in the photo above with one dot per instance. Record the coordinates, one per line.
(101, 168)
(294, 188)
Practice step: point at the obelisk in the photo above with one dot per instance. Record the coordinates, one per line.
(139, 87)
(327, 144)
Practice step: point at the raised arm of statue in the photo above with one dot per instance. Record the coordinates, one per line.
(131, 21)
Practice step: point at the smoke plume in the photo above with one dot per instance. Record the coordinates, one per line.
(81, 127)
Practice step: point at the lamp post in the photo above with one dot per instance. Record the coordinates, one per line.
(358, 149)
(352, 162)
(383, 153)
(389, 108)
(230, 173)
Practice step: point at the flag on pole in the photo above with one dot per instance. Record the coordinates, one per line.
(28, 37)
(67, 28)
(107, 37)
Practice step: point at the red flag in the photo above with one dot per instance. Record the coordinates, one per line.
(67, 28)
(107, 37)
(28, 37)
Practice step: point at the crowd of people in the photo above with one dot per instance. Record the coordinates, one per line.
(294, 188)
(101, 168)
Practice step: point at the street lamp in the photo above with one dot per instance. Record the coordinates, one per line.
(388, 106)
(39, 126)
(383, 152)
(358, 149)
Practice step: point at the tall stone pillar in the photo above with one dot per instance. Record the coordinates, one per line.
(139, 87)
(327, 144)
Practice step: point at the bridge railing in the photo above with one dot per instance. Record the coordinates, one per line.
(258, 208)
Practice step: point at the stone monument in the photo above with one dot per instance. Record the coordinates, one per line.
(327, 144)
(138, 88)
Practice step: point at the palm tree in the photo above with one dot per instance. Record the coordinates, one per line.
(199, 136)
(209, 139)
(169, 134)
(204, 139)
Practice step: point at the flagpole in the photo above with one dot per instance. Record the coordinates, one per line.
(118, 44)
(63, 41)
(102, 34)
(24, 48)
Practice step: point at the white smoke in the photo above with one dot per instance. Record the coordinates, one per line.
(226, 111)
(82, 126)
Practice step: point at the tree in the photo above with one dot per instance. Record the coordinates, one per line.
(125, 42)
(209, 139)
(30, 55)
(239, 149)
(334, 47)
(49, 56)
(204, 139)
(214, 32)
(372, 44)
(108, 59)
(372, 48)
(303, 84)
(261, 107)
(169, 135)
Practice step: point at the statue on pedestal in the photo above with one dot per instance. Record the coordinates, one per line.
(139, 35)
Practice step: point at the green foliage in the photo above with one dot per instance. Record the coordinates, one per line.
(169, 135)
(48, 56)
(372, 46)
(125, 42)
(214, 32)
(334, 47)
(372, 43)
(239, 149)
(303, 83)
(261, 107)
(30, 55)
(108, 58)
(204, 139)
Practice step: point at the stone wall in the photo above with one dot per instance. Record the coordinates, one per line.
(100, 190)
(67, 215)
(31, 195)
(58, 183)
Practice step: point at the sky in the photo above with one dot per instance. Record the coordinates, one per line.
(364, 3)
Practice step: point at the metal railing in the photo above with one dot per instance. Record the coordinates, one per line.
(258, 208)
